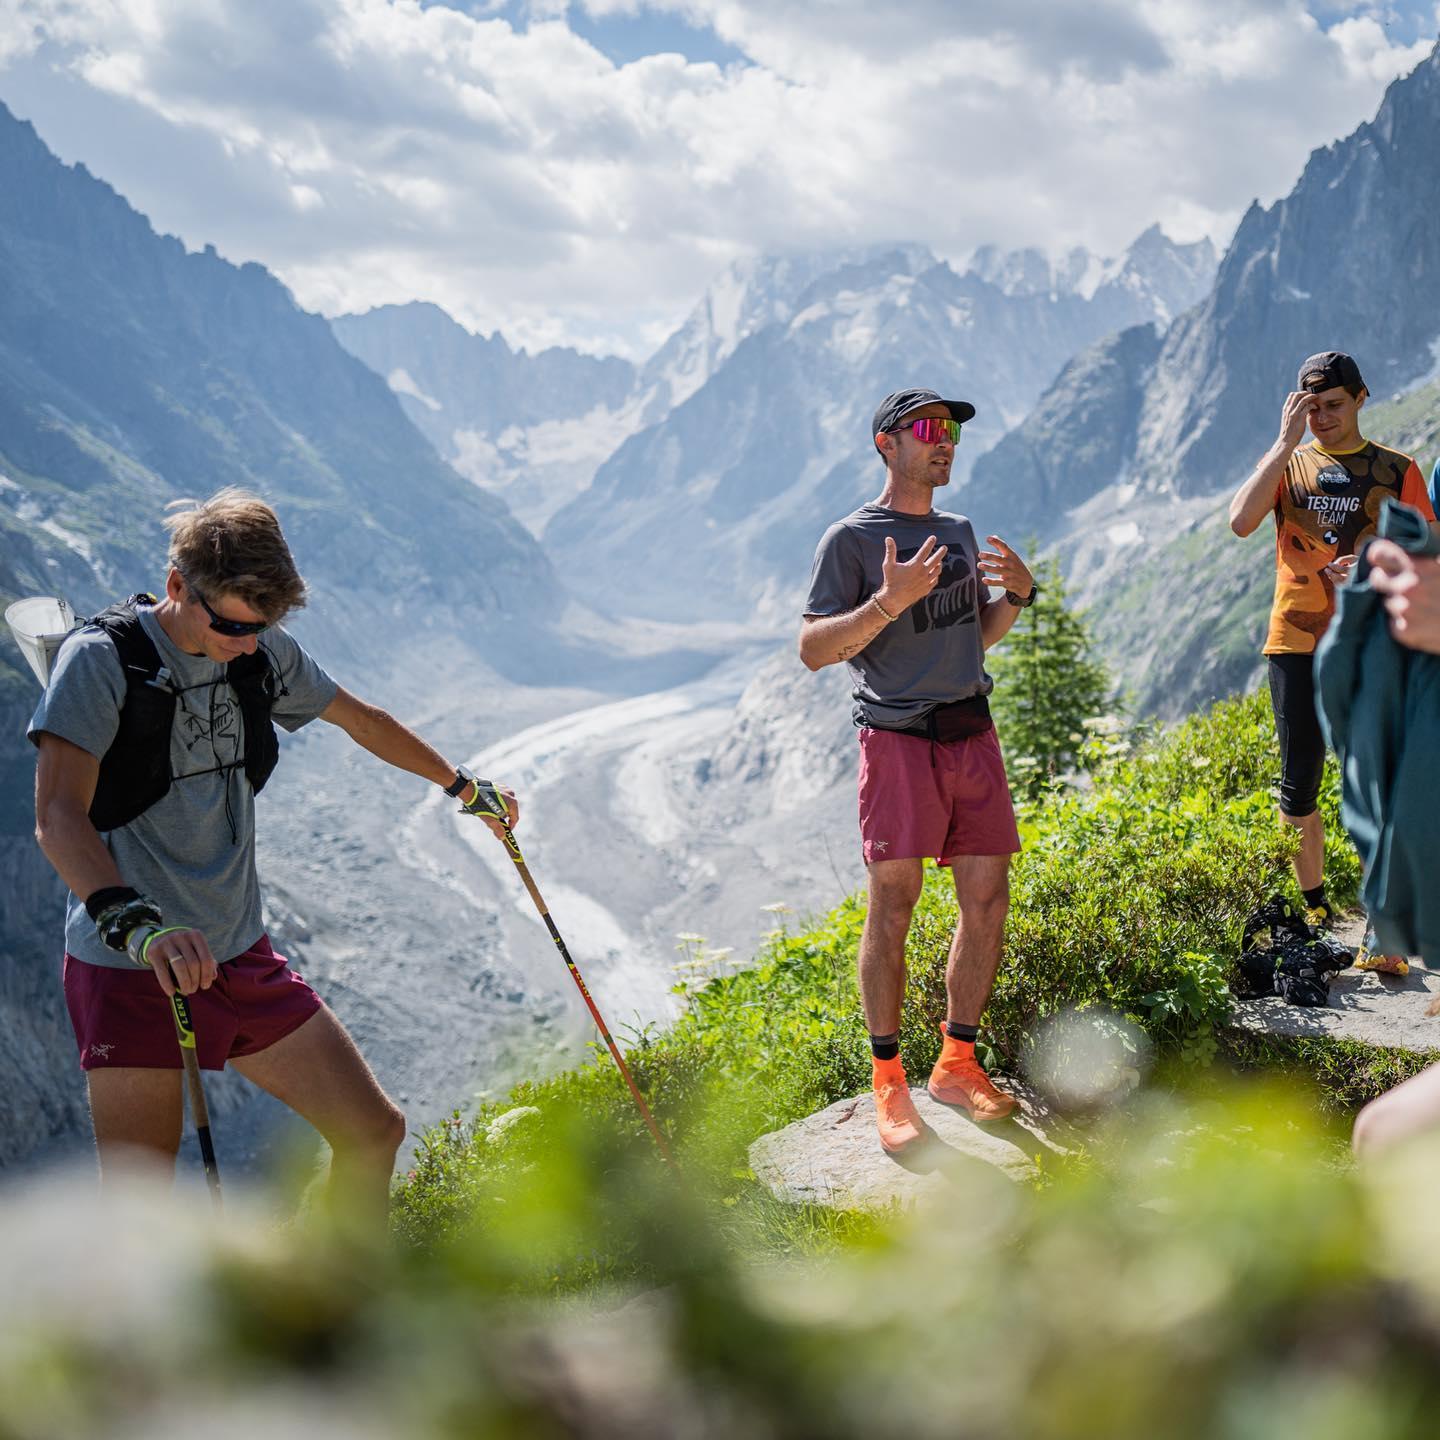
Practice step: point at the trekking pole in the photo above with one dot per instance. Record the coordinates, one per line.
(199, 1110)
(489, 801)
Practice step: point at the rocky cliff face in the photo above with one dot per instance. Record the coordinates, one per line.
(528, 428)
(1075, 441)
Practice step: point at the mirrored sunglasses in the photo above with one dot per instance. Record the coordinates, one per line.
(932, 431)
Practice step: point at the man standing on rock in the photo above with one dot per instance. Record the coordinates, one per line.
(155, 732)
(1325, 498)
(898, 592)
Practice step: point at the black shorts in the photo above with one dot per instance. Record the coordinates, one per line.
(1297, 723)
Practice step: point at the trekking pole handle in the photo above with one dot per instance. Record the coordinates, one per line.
(487, 799)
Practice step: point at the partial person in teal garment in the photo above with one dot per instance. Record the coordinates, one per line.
(1378, 687)
(1434, 483)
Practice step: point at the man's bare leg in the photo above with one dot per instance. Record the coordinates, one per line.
(1310, 860)
(982, 894)
(319, 1073)
(137, 1115)
(894, 889)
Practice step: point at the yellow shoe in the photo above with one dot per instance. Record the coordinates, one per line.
(1381, 964)
(1368, 957)
(896, 1117)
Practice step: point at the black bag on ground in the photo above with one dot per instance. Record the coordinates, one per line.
(1281, 954)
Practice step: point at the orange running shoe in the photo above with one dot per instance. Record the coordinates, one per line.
(958, 1079)
(896, 1117)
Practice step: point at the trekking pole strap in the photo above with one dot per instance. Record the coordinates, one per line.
(487, 800)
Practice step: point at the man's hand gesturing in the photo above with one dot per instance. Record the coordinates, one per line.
(907, 581)
(1002, 566)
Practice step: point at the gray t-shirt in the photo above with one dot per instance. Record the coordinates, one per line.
(193, 851)
(932, 654)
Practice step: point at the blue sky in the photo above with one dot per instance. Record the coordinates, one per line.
(576, 171)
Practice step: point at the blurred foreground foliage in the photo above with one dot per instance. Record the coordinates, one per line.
(1208, 1271)
(1207, 1265)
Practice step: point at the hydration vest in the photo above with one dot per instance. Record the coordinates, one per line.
(135, 770)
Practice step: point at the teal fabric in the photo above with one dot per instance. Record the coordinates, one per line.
(1380, 705)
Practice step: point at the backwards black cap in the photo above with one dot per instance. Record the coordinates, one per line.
(1327, 370)
(894, 408)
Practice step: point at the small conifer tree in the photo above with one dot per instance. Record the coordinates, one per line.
(1048, 683)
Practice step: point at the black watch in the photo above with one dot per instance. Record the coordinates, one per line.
(463, 777)
(1020, 602)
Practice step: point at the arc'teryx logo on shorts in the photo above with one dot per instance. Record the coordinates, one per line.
(101, 1050)
(951, 602)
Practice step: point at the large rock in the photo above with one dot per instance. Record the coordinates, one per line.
(834, 1157)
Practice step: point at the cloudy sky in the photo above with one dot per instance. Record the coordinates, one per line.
(575, 171)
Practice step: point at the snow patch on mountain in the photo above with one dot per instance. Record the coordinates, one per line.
(401, 383)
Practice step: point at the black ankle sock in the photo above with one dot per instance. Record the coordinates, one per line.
(957, 1031)
(1315, 898)
(885, 1047)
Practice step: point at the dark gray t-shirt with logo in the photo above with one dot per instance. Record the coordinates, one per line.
(932, 654)
(193, 851)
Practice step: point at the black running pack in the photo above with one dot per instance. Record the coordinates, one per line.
(1282, 954)
(135, 771)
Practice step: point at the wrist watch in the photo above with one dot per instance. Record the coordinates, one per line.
(1021, 601)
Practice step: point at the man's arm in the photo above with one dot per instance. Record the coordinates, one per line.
(828, 639)
(1256, 498)
(1001, 566)
(380, 733)
(65, 780)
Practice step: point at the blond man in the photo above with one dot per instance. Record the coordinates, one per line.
(156, 730)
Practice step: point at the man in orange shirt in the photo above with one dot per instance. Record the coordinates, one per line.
(1325, 497)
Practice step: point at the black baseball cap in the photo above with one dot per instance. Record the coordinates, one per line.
(894, 408)
(1327, 370)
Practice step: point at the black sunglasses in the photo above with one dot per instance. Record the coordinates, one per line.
(233, 628)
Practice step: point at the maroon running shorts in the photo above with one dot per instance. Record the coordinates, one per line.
(920, 799)
(122, 1017)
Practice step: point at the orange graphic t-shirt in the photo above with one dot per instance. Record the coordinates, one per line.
(1329, 503)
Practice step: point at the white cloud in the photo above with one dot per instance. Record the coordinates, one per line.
(376, 150)
(1367, 51)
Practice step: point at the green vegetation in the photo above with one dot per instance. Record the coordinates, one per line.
(1048, 685)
